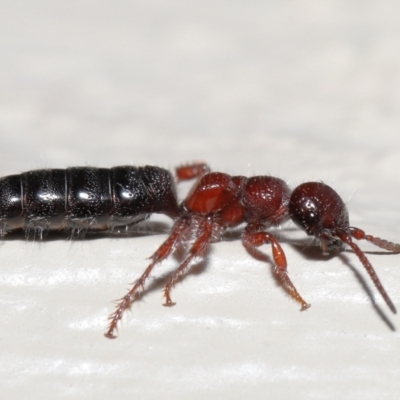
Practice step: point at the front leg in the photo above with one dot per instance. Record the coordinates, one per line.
(253, 238)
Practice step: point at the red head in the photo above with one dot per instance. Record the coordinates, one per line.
(320, 212)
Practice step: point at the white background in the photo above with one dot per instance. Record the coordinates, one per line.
(306, 90)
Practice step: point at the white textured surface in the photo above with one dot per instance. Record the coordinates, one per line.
(301, 90)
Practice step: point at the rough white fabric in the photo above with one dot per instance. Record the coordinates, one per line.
(301, 90)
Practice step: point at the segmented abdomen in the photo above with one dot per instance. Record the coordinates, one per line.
(85, 198)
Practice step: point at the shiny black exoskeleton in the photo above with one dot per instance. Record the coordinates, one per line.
(84, 198)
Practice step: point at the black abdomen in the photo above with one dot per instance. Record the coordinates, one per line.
(85, 198)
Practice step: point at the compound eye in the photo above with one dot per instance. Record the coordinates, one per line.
(310, 212)
(305, 214)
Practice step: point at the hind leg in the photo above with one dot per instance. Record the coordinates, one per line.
(191, 171)
(198, 249)
(177, 232)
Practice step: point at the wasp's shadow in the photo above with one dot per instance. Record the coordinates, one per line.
(313, 252)
(147, 228)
